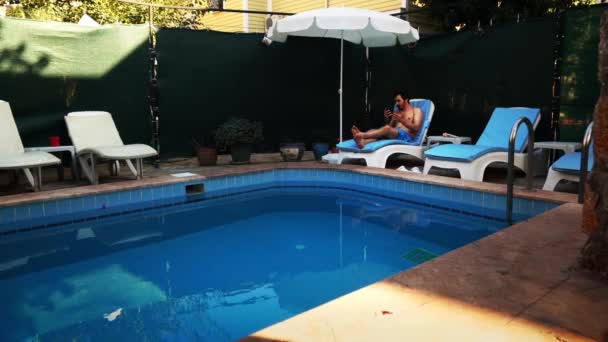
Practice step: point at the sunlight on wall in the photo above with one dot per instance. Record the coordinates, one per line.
(26, 48)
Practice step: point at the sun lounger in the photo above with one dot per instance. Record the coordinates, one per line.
(568, 167)
(377, 153)
(96, 138)
(471, 160)
(12, 153)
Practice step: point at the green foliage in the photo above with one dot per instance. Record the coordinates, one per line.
(470, 12)
(110, 11)
(238, 131)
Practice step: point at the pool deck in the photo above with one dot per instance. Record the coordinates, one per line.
(519, 284)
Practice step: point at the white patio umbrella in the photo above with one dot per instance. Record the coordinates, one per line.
(358, 26)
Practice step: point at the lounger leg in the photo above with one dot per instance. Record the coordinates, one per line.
(140, 168)
(471, 173)
(133, 169)
(38, 186)
(88, 170)
(30, 178)
(74, 164)
(94, 170)
(552, 179)
(115, 168)
(376, 161)
(427, 168)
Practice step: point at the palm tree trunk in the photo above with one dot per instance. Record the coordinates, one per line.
(595, 209)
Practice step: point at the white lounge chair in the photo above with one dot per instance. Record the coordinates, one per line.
(471, 160)
(377, 153)
(567, 167)
(96, 138)
(12, 154)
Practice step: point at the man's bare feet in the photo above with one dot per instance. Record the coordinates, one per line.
(354, 130)
(359, 140)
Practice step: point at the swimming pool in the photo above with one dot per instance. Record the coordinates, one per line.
(250, 251)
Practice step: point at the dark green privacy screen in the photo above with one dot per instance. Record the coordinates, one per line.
(206, 77)
(468, 74)
(580, 86)
(48, 69)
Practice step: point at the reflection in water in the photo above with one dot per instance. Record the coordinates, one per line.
(217, 270)
(85, 296)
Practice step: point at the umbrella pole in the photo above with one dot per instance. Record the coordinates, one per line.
(341, 79)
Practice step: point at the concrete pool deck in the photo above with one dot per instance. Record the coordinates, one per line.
(518, 284)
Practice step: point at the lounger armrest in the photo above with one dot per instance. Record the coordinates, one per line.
(124, 152)
(28, 160)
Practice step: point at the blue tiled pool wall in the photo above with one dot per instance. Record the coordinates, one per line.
(467, 201)
(23, 217)
(102, 205)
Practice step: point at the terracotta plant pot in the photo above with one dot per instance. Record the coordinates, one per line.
(207, 156)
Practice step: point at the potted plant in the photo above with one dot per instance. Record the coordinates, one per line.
(239, 135)
(320, 145)
(207, 155)
(291, 150)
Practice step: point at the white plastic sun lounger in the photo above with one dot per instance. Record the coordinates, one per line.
(472, 160)
(96, 138)
(377, 153)
(567, 167)
(12, 154)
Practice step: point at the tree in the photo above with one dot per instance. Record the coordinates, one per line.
(453, 13)
(110, 11)
(595, 209)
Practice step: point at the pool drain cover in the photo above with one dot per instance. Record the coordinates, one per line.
(418, 255)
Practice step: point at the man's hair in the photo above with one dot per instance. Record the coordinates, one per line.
(404, 95)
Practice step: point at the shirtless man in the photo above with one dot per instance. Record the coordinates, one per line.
(404, 124)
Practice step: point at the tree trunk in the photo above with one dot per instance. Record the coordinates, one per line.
(595, 209)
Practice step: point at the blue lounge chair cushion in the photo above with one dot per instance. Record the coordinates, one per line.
(425, 107)
(461, 153)
(495, 136)
(499, 127)
(351, 145)
(571, 162)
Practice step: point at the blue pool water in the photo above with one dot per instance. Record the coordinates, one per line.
(213, 270)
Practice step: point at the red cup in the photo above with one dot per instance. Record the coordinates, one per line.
(54, 141)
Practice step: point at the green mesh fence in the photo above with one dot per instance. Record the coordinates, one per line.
(48, 69)
(467, 75)
(580, 86)
(206, 77)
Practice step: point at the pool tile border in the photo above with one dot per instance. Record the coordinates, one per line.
(229, 170)
(47, 208)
